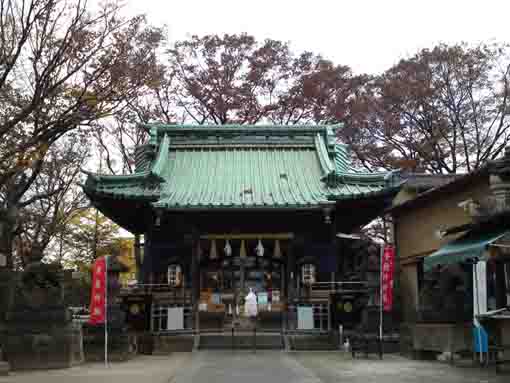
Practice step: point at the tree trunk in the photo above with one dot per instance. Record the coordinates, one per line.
(7, 225)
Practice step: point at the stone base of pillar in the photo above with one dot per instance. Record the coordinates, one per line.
(43, 347)
(121, 344)
(4, 368)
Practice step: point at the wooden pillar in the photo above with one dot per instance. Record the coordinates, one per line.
(138, 259)
(334, 245)
(242, 276)
(283, 280)
(334, 253)
(147, 256)
(291, 272)
(195, 277)
(500, 285)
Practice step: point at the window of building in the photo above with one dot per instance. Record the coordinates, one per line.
(308, 273)
(174, 275)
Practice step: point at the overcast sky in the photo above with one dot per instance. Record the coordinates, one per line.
(368, 35)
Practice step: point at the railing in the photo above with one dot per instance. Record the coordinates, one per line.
(343, 286)
(145, 288)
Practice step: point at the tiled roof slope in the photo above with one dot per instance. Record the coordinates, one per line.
(243, 166)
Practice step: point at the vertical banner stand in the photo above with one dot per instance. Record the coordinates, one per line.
(106, 311)
(480, 307)
(381, 297)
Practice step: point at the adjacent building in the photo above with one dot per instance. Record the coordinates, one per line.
(440, 233)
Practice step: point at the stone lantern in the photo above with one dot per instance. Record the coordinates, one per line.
(499, 180)
(39, 329)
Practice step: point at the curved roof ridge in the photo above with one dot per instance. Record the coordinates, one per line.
(116, 177)
(342, 160)
(161, 161)
(322, 152)
(345, 170)
(156, 130)
(156, 169)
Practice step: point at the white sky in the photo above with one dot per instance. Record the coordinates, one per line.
(368, 35)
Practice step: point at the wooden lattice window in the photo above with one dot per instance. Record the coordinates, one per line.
(174, 275)
(308, 273)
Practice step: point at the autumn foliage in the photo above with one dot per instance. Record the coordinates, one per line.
(76, 81)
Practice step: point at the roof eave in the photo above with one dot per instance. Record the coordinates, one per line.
(431, 193)
(244, 208)
(95, 194)
(385, 191)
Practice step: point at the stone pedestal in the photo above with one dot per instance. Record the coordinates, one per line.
(121, 345)
(44, 347)
(4, 366)
(39, 333)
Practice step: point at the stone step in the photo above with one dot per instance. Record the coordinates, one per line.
(166, 344)
(311, 343)
(263, 342)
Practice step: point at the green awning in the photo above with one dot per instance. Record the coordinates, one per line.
(470, 245)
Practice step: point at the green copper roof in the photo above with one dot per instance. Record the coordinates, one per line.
(242, 166)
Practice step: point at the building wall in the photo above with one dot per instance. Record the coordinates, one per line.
(403, 195)
(415, 232)
(416, 226)
(127, 257)
(409, 291)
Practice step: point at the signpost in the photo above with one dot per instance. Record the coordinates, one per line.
(480, 307)
(387, 267)
(99, 299)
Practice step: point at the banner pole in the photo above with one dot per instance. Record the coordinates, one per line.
(381, 294)
(106, 311)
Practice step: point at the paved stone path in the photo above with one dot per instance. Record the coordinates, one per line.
(262, 367)
(245, 367)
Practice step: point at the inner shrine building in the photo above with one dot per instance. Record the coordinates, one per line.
(223, 209)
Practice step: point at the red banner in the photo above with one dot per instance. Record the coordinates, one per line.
(388, 267)
(97, 298)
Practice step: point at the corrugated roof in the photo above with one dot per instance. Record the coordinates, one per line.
(251, 177)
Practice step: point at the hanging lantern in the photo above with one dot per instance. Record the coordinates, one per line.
(242, 251)
(213, 254)
(227, 249)
(277, 251)
(259, 249)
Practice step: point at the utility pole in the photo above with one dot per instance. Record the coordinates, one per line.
(96, 217)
